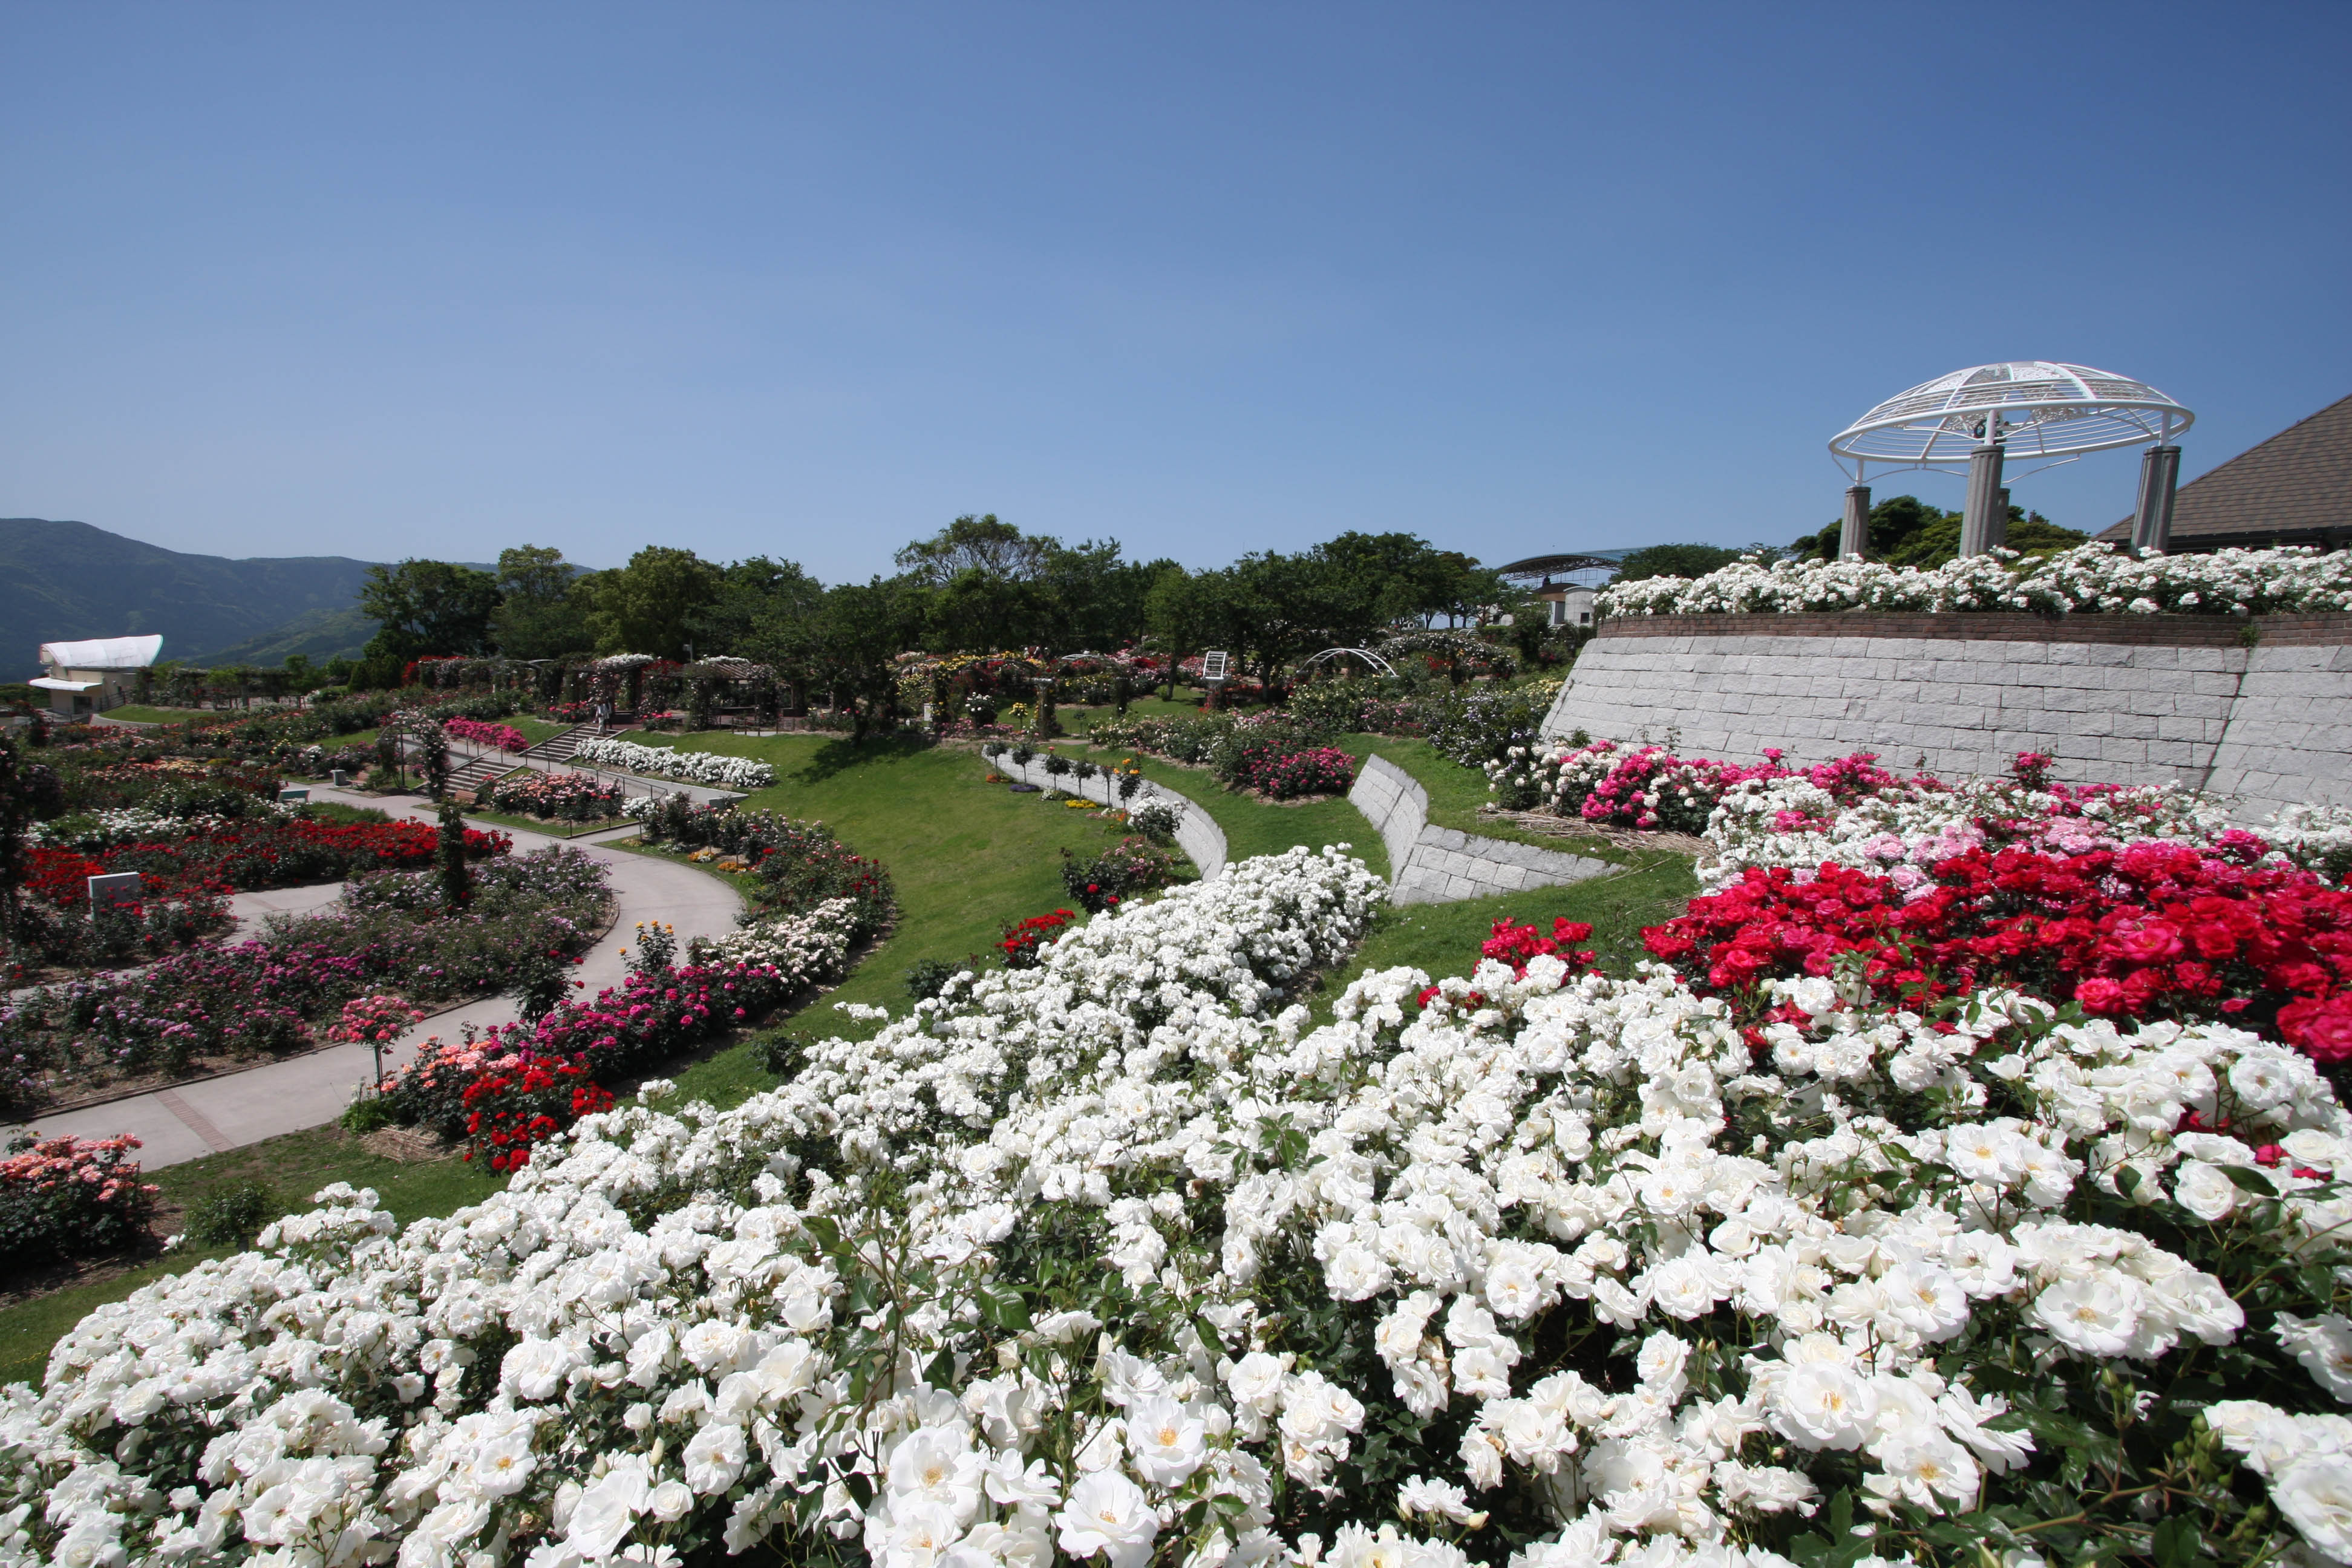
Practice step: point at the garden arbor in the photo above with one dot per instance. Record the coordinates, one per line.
(1975, 420)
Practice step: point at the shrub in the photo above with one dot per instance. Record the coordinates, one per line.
(71, 1197)
(232, 1216)
(928, 977)
(1133, 866)
(1025, 940)
(1156, 820)
(498, 736)
(555, 797)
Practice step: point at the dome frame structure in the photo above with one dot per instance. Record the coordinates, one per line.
(2044, 409)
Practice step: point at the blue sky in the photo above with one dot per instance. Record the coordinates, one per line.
(810, 280)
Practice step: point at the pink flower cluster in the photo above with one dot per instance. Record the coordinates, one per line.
(67, 1196)
(482, 732)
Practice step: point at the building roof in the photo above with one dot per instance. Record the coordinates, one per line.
(2294, 488)
(103, 653)
(50, 683)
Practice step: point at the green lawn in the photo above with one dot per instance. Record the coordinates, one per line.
(1255, 827)
(534, 729)
(967, 857)
(138, 713)
(293, 1168)
(1443, 939)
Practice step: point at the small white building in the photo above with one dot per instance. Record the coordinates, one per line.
(1570, 605)
(91, 677)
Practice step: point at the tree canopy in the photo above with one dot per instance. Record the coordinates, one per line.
(424, 607)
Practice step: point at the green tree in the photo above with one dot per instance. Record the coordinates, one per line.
(848, 648)
(422, 607)
(753, 594)
(538, 617)
(649, 605)
(981, 544)
(1178, 613)
(1938, 541)
(1893, 522)
(1686, 559)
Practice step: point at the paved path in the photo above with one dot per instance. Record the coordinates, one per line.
(217, 1114)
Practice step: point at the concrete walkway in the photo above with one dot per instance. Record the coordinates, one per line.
(217, 1114)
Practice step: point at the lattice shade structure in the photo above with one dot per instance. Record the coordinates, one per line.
(2044, 409)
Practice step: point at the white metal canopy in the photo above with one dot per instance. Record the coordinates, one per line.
(103, 653)
(2033, 409)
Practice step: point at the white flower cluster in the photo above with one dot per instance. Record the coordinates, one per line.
(687, 767)
(1110, 1258)
(92, 831)
(810, 949)
(2093, 577)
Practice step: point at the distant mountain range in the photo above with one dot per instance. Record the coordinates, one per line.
(66, 580)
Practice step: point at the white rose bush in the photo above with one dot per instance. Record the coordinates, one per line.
(1121, 1259)
(2092, 578)
(685, 767)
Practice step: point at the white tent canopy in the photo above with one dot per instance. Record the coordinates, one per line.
(102, 653)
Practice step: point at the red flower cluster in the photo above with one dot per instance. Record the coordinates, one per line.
(519, 1106)
(1025, 941)
(1264, 766)
(250, 855)
(2156, 929)
(1516, 944)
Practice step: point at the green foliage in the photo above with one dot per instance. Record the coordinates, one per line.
(429, 608)
(1908, 531)
(231, 1216)
(537, 617)
(926, 977)
(649, 604)
(1684, 559)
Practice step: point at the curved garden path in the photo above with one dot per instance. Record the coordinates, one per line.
(213, 1115)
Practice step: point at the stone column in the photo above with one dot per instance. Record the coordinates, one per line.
(1985, 523)
(2159, 479)
(1854, 539)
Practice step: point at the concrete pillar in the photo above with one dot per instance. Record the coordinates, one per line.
(1854, 539)
(2159, 479)
(1985, 523)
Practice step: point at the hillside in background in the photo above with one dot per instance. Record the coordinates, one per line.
(70, 580)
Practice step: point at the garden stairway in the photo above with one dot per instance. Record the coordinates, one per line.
(559, 748)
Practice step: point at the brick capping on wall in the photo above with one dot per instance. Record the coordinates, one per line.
(2257, 713)
(1197, 833)
(2326, 630)
(1441, 865)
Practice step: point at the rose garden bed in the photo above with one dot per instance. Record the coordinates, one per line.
(1862, 1236)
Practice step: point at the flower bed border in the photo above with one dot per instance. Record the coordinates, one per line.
(2326, 629)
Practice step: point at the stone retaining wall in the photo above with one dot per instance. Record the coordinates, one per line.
(1440, 865)
(1197, 833)
(2258, 710)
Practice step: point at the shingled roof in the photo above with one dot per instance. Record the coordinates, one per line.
(2294, 489)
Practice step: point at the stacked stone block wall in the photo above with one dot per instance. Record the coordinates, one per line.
(1431, 865)
(2259, 710)
(1197, 833)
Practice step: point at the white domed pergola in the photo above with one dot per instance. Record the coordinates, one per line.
(2041, 409)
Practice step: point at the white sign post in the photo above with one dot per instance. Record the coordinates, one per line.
(115, 888)
(1212, 674)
